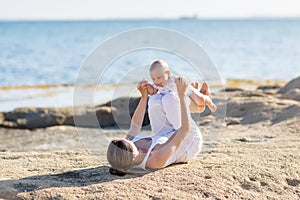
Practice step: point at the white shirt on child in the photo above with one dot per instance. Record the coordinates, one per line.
(171, 87)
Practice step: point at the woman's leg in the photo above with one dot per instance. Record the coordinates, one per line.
(164, 113)
(190, 147)
(156, 113)
(171, 106)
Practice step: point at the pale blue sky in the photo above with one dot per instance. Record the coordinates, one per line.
(115, 9)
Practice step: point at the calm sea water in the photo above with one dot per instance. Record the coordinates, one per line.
(51, 52)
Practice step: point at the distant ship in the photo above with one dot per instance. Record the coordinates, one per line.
(189, 17)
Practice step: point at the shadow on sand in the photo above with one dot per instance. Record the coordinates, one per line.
(77, 178)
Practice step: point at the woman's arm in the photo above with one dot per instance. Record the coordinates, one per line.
(139, 113)
(160, 157)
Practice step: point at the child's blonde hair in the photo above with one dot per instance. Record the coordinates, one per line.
(159, 63)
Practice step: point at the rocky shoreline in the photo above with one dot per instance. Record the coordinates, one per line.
(242, 107)
(251, 151)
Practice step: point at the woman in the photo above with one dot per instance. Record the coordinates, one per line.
(161, 149)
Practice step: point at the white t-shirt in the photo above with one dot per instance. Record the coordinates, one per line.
(171, 87)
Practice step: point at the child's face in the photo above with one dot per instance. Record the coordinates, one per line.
(160, 77)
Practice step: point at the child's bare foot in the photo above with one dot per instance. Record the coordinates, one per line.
(204, 89)
(212, 107)
(195, 85)
(210, 104)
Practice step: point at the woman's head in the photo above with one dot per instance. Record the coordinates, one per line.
(120, 155)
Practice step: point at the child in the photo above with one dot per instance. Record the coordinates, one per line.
(164, 81)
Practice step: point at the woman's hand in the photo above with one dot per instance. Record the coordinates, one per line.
(181, 85)
(142, 87)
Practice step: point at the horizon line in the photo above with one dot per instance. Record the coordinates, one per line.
(155, 18)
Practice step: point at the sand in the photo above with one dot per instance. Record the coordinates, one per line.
(247, 159)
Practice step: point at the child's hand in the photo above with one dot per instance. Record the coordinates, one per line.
(181, 85)
(151, 90)
(142, 87)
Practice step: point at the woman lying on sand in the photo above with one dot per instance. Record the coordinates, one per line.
(167, 146)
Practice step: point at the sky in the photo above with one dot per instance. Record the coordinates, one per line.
(127, 9)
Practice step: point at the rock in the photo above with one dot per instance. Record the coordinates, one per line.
(256, 109)
(232, 89)
(291, 90)
(268, 87)
(1, 118)
(293, 94)
(249, 110)
(287, 112)
(117, 112)
(92, 117)
(105, 116)
(233, 121)
(243, 107)
(250, 94)
(125, 108)
(295, 83)
(263, 138)
(32, 118)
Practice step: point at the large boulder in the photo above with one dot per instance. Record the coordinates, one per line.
(254, 109)
(32, 118)
(117, 112)
(295, 83)
(92, 117)
(293, 94)
(124, 111)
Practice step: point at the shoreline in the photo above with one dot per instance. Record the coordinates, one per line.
(58, 96)
(253, 153)
(227, 80)
(61, 95)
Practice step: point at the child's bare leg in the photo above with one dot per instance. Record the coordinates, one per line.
(208, 102)
(194, 108)
(203, 98)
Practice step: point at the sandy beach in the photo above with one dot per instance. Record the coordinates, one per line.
(254, 155)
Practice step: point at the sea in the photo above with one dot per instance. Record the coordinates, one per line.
(41, 60)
